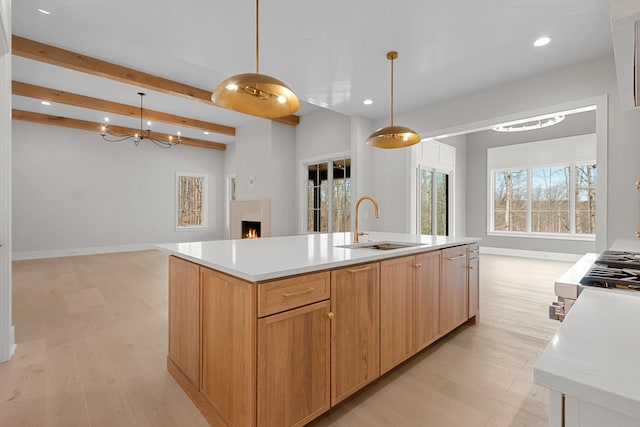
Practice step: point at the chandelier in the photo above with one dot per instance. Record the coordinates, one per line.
(118, 134)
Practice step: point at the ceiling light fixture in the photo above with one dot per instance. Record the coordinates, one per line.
(254, 93)
(47, 103)
(542, 41)
(142, 134)
(393, 136)
(520, 125)
(367, 102)
(44, 12)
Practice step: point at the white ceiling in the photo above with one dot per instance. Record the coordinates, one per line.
(330, 52)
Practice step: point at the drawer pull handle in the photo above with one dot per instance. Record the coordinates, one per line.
(330, 315)
(357, 270)
(456, 257)
(417, 265)
(295, 294)
(475, 251)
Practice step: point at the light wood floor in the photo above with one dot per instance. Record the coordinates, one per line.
(92, 344)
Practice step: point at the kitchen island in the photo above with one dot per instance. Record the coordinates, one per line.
(276, 331)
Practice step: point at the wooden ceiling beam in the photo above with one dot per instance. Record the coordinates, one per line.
(39, 92)
(47, 119)
(75, 61)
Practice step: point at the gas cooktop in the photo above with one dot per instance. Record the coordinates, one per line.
(611, 277)
(619, 259)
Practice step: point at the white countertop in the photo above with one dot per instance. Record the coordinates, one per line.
(273, 257)
(595, 353)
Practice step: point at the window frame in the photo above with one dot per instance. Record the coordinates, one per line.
(434, 198)
(571, 235)
(204, 201)
(303, 190)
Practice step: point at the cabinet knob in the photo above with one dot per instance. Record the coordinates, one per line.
(417, 265)
(330, 315)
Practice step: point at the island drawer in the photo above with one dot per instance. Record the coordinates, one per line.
(281, 295)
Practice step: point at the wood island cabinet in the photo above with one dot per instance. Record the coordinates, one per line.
(293, 365)
(409, 309)
(355, 333)
(280, 352)
(396, 311)
(453, 289)
(184, 317)
(427, 299)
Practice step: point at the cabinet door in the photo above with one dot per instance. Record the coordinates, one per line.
(184, 317)
(396, 311)
(355, 329)
(453, 289)
(473, 278)
(427, 298)
(293, 365)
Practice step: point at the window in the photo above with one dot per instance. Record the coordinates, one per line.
(435, 164)
(329, 195)
(191, 201)
(544, 188)
(433, 188)
(549, 200)
(510, 200)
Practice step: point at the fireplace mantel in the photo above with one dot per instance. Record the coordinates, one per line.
(250, 210)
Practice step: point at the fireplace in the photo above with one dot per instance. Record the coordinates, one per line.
(245, 214)
(251, 229)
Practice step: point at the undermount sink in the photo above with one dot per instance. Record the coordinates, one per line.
(381, 246)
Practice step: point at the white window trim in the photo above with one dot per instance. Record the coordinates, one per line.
(302, 190)
(420, 162)
(531, 234)
(205, 201)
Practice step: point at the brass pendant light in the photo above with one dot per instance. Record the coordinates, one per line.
(256, 94)
(393, 136)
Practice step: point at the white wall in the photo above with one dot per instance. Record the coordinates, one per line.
(7, 335)
(264, 152)
(322, 132)
(74, 193)
(581, 81)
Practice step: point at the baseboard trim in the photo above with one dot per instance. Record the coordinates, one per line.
(552, 256)
(56, 253)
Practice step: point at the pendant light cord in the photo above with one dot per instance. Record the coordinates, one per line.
(257, 39)
(392, 91)
(141, 121)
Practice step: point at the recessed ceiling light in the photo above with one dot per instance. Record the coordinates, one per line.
(367, 102)
(44, 12)
(45, 103)
(205, 132)
(542, 41)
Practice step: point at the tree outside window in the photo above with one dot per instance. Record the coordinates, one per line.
(191, 201)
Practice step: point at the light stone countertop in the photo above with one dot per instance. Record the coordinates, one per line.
(274, 257)
(595, 352)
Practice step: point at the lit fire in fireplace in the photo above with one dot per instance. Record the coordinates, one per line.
(252, 233)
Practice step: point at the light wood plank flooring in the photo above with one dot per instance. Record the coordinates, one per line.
(92, 345)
